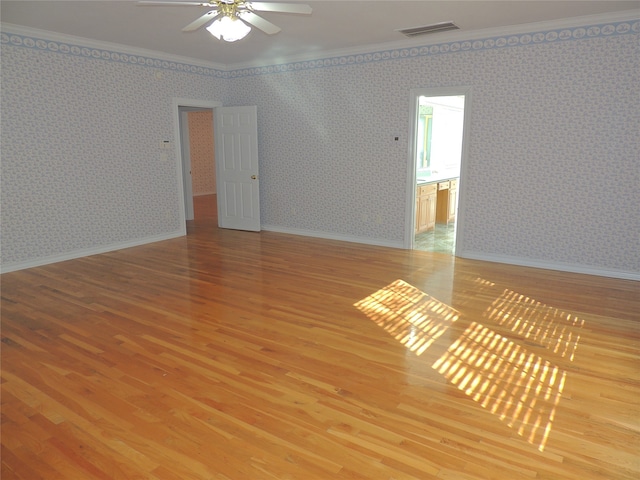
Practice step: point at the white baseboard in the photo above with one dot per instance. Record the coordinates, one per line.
(561, 267)
(12, 267)
(523, 262)
(332, 236)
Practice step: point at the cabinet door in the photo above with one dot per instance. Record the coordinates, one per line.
(442, 207)
(431, 207)
(423, 213)
(426, 207)
(452, 204)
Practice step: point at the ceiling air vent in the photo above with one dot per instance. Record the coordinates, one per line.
(435, 28)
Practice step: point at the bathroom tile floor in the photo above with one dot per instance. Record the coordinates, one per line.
(440, 239)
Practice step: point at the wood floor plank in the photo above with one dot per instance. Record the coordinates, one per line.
(241, 355)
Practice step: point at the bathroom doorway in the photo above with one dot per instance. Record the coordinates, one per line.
(437, 157)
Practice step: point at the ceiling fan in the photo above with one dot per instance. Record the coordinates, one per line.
(230, 20)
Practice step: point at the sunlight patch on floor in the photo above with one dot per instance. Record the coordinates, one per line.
(521, 388)
(501, 374)
(549, 327)
(411, 316)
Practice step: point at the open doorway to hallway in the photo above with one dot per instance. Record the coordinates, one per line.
(203, 167)
(198, 160)
(234, 173)
(437, 153)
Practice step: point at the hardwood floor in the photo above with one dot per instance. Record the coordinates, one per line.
(241, 355)
(205, 210)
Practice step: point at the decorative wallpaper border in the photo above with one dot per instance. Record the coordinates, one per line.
(551, 36)
(64, 48)
(505, 41)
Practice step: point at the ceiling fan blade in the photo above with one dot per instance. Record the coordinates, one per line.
(149, 3)
(259, 22)
(280, 7)
(198, 22)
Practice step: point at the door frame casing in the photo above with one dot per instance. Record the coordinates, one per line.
(185, 155)
(410, 206)
(176, 104)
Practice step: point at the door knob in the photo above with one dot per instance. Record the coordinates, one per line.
(253, 177)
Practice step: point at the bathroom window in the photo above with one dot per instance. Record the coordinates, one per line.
(425, 121)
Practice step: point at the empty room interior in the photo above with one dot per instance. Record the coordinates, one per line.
(327, 247)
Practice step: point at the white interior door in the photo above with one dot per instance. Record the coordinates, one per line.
(236, 149)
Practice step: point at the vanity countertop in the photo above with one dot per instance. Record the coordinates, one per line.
(437, 176)
(434, 179)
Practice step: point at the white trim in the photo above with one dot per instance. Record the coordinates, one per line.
(185, 158)
(331, 236)
(410, 193)
(451, 36)
(11, 267)
(516, 261)
(560, 267)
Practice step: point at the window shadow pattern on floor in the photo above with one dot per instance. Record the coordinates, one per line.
(501, 373)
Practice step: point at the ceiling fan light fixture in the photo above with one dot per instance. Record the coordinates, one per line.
(229, 29)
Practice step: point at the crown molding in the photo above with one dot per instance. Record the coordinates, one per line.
(448, 37)
(446, 42)
(83, 42)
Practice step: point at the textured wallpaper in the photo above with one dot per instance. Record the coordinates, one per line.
(82, 163)
(551, 175)
(203, 172)
(553, 168)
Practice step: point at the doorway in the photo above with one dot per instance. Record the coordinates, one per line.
(195, 147)
(439, 119)
(203, 163)
(234, 131)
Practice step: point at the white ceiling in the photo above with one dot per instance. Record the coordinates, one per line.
(334, 25)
